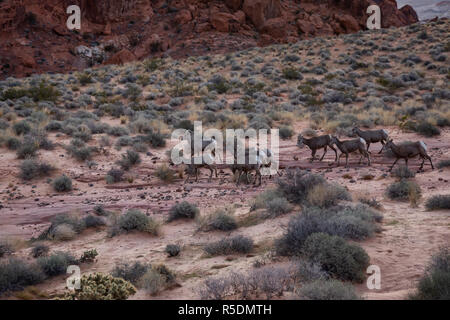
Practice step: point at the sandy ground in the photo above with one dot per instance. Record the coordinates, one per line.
(409, 235)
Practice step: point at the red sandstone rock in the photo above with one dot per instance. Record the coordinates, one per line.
(121, 57)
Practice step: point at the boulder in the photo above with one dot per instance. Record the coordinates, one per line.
(259, 11)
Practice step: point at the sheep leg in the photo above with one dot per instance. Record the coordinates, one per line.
(429, 158)
(421, 165)
(393, 164)
(196, 174)
(335, 153)
(382, 147)
(324, 152)
(339, 159)
(368, 145)
(346, 160)
(313, 155)
(210, 176)
(239, 177)
(368, 160)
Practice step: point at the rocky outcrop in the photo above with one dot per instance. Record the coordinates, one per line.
(117, 31)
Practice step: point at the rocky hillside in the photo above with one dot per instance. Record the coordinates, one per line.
(34, 36)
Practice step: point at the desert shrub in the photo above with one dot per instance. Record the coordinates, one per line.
(403, 190)
(43, 92)
(27, 149)
(21, 127)
(30, 169)
(371, 202)
(164, 173)
(326, 195)
(403, 172)
(173, 250)
(156, 279)
(131, 272)
(5, 248)
(17, 274)
(260, 201)
(114, 175)
(39, 250)
(219, 220)
(308, 271)
(63, 227)
(286, 132)
(295, 184)
(56, 263)
(353, 222)
(98, 286)
(88, 256)
(236, 244)
(438, 202)
(134, 220)
(278, 206)
(327, 290)
(12, 143)
(443, 164)
(183, 210)
(100, 210)
(129, 159)
(337, 257)
(435, 283)
(156, 139)
(91, 221)
(84, 78)
(427, 129)
(62, 184)
(292, 74)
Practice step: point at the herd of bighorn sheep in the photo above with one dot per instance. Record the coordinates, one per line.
(361, 144)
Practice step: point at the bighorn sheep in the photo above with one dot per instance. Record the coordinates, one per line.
(372, 136)
(407, 151)
(205, 143)
(348, 146)
(316, 143)
(193, 168)
(247, 167)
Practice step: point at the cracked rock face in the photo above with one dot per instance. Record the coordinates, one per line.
(34, 37)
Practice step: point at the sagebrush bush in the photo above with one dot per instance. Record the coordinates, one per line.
(236, 244)
(98, 286)
(295, 184)
(5, 248)
(403, 172)
(438, 202)
(21, 127)
(326, 195)
(56, 263)
(26, 150)
(62, 184)
(164, 173)
(443, 164)
(31, 168)
(129, 159)
(114, 175)
(327, 290)
(71, 226)
(173, 250)
(135, 220)
(278, 206)
(352, 222)
(427, 129)
(156, 279)
(91, 221)
(221, 220)
(403, 190)
(286, 133)
(39, 250)
(183, 210)
(131, 272)
(338, 258)
(435, 283)
(16, 274)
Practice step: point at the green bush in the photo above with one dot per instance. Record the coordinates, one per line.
(438, 202)
(337, 257)
(5, 248)
(21, 127)
(91, 221)
(114, 175)
(56, 263)
(62, 184)
(183, 210)
(68, 222)
(131, 272)
(17, 274)
(164, 173)
(27, 149)
(443, 164)
(292, 74)
(129, 159)
(327, 290)
(427, 129)
(88, 256)
(403, 172)
(435, 283)
(156, 279)
(236, 244)
(134, 220)
(295, 184)
(39, 250)
(98, 286)
(278, 206)
(173, 250)
(219, 220)
(30, 169)
(286, 133)
(403, 190)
